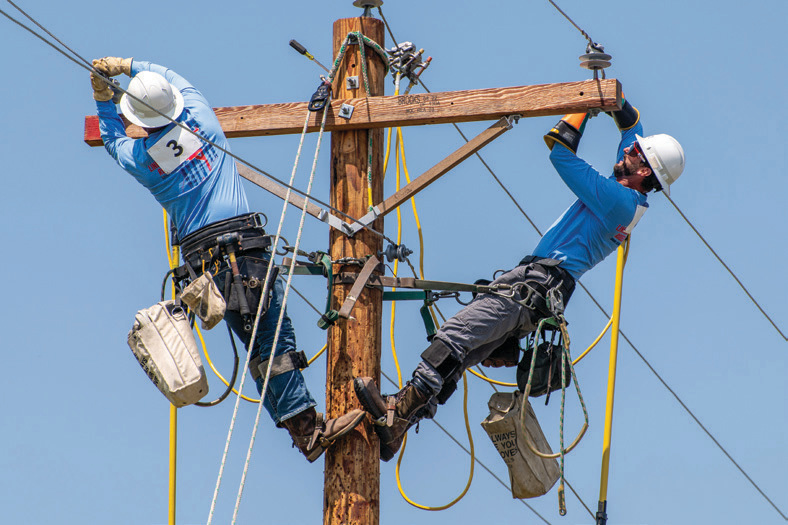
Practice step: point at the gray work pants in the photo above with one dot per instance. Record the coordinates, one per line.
(482, 326)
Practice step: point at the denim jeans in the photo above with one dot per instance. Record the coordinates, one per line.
(287, 394)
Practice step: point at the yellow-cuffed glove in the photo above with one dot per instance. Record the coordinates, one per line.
(113, 66)
(101, 90)
(568, 131)
(626, 117)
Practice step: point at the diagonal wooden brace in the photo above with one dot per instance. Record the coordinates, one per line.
(358, 286)
(434, 173)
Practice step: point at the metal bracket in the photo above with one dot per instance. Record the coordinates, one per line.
(367, 5)
(511, 120)
(346, 111)
(351, 82)
(366, 220)
(358, 286)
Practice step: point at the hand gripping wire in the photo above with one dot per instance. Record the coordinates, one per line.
(343, 227)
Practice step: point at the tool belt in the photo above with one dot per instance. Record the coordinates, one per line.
(549, 298)
(200, 249)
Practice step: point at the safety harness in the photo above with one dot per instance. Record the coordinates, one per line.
(545, 300)
(220, 243)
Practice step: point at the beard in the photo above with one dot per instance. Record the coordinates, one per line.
(621, 171)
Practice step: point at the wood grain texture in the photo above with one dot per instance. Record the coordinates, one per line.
(409, 110)
(352, 468)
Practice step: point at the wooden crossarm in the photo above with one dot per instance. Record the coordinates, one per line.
(409, 110)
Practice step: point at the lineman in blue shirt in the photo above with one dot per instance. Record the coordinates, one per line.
(199, 186)
(605, 212)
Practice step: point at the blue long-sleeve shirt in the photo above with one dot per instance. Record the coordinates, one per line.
(195, 182)
(600, 219)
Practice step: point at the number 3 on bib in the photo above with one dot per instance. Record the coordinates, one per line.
(174, 148)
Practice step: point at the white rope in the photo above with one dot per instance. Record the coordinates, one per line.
(282, 311)
(254, 330)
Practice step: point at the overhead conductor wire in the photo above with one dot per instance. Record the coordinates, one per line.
(726, 267)
(261, 171)
(631, 344)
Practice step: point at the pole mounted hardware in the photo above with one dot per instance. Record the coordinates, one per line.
(346, 111)
(367, 5)
(392, 252)
(595, 59)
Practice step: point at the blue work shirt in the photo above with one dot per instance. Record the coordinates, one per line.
(205, 187)
(599, 220)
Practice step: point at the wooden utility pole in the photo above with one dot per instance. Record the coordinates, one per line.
(352, 468)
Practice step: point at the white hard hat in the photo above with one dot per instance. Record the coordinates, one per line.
(156, 92)
(665, 156)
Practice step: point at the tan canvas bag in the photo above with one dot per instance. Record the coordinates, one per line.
(162, 341)
(530, 475)
(204, 299)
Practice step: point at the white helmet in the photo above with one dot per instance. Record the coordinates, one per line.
(155, 91)
(665, 156)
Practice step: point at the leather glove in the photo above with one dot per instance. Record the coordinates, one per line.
(568, 131)
(113, 66)
(101, 90)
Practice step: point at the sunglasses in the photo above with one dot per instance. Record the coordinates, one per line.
(635, 151)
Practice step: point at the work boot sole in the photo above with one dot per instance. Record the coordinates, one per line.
(354, 417)
(373, 402)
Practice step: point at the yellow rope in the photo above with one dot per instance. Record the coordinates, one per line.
(400, 152)
(490, 380)
(210, 363)
(473, 459)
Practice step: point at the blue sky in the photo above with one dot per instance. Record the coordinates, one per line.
(86, 434)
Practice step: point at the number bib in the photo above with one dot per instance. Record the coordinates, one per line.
(174, 148)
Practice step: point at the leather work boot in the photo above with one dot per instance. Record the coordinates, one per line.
(312, 434)
(392, 415)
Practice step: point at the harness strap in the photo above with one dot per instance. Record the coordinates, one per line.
(548, 299)
(282, 363)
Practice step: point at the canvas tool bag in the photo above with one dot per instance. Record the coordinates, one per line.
(530, 475)
(162, 341)
(204, 299)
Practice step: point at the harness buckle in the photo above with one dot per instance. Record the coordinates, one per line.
(555, 300)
